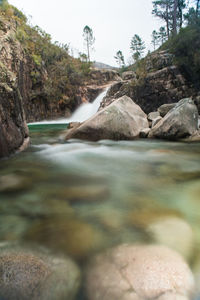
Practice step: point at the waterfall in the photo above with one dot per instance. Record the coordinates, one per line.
(83, 112)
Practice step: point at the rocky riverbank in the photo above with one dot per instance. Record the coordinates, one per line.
(157, 96)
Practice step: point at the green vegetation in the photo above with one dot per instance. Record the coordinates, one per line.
(137, 47)
(185, 47)
(55, 75)
(119, 57)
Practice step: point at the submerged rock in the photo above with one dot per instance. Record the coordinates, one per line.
(169, 230)
(36, 275)
(131, 272)
(69, 236)
(122, 120)
(180, 122)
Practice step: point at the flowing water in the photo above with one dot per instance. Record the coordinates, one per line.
(79, 198)
(84, 112)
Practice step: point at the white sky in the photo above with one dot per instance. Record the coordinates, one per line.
(114, 23)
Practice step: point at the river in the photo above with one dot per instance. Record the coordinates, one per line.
(79, 198)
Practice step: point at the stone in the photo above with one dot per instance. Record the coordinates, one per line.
(85, 193)
(165, 108)
(36, 275)
(197, 102)
(134, 272)
(128, 75)
(156, 120)
(158, 60)
(14, 183)
(70, 236)
(169, 230)
(121, 120)
(153, 115)
(195, 137)
(180, 122)
(13, 129)
(153, 89)
(102, 76)
(144, 133)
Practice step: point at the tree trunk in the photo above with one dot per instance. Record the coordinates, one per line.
(197, 8)
(167, 19)
(175, 17)
(180, 9)
(88, 50)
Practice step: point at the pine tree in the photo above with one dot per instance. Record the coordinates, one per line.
(162, 35)
(163, 9)
(89, 39)
(137, 47)
(119, 57)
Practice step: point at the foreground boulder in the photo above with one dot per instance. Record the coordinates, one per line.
(32, 275)
(122, 120)
(180, 122)
(132, 272)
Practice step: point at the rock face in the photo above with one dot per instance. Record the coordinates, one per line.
(128, 75)
(123, 119)
(102, 76)
(132, 272)
(13, 129)
(160, 83)
(37, 275)
(180, 122)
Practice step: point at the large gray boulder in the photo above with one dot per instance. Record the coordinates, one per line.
(180, 122)
(121, 120)
(36, 275)
(132, 272)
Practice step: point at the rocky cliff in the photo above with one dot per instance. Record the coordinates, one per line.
(13, 129)
(157, 81)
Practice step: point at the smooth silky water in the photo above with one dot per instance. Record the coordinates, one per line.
(79, 198)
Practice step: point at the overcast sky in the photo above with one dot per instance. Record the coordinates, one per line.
(114, 23)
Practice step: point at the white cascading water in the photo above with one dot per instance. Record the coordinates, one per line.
(83, 112)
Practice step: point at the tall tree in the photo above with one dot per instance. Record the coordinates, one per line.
(175, 8)
(181, 6)
(89, 39)
(163, 9)
(119, 57)
(137, 47)
(197, 7)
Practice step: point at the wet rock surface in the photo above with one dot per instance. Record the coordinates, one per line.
(36, 274)
(139, 273)
(74, 237)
